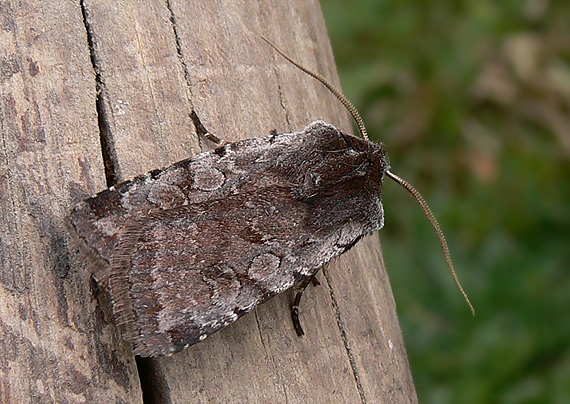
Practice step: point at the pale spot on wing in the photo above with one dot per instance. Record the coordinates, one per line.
(166, 196)
(267, 270)
(208, 179)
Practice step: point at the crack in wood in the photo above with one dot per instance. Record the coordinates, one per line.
(177, 40)
(282, 96)
(277, 376)
(155, 389)
(108, 150)
(344, 337)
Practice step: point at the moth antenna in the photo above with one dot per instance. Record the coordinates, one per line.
(336, 92)
(362, 129)
(435, 226)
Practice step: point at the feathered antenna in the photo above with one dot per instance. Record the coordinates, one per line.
(362, 129)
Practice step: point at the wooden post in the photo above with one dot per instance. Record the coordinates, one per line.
(148, 64)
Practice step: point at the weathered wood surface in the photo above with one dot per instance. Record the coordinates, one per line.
(155, 62)
(53, 346)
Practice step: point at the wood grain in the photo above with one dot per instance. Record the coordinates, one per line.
(154, 62)
(54, 345)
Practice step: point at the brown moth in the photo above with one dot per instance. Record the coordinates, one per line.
(192, 247)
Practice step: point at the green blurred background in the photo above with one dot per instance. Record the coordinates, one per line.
(472, 99)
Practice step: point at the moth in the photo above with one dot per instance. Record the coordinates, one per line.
(192, 247)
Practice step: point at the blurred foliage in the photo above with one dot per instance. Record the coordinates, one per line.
(472, 100)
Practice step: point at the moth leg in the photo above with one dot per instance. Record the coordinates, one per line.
(213, 138)
(202, 131)
(295, 306)
(95, 286)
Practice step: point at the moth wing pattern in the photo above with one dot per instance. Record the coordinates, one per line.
(195, 246)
